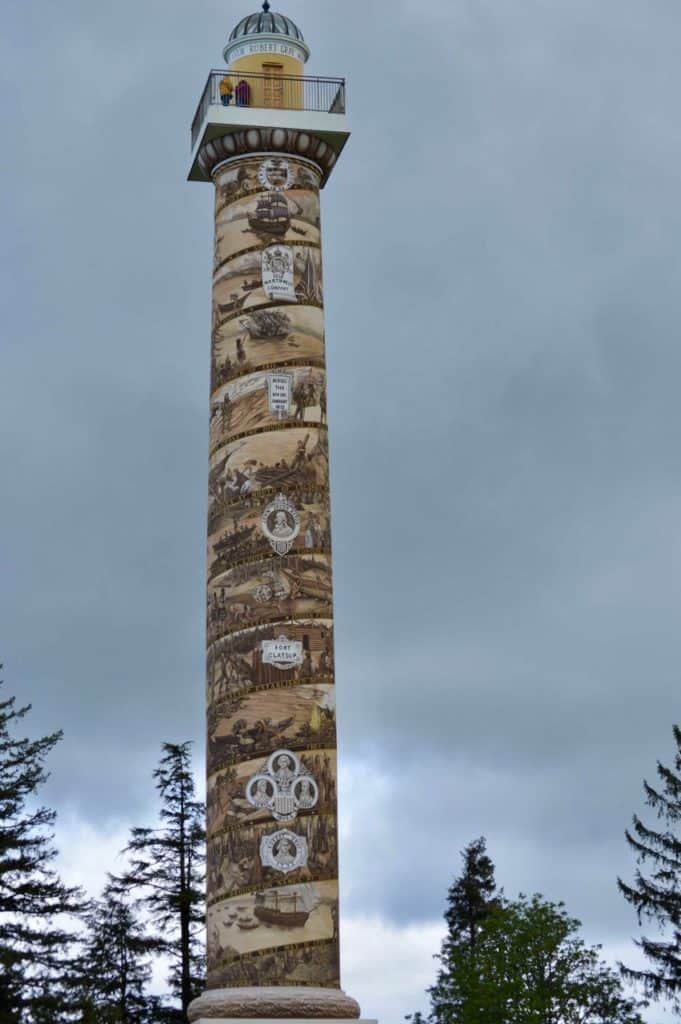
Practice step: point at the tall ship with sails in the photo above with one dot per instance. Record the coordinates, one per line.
(271, 215)
(284, 909)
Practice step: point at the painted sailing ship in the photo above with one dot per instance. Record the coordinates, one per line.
(284, 909)
(267, 323)
(271, 215)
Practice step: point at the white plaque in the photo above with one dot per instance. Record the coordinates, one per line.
(280, 523)
(279, 388)
(284, 851)
(282, 653)
(277, 273)
(283, 786)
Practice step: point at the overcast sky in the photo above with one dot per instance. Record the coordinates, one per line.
(503, 286)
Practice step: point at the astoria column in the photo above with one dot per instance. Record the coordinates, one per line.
(268, 136)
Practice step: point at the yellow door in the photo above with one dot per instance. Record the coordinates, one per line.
(274, 85)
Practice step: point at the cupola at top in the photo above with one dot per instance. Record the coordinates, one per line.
(263, 38)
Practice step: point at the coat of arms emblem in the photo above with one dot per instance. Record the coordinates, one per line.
(275, 174)
(277, 273)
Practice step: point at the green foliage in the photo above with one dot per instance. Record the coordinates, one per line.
(114, 967)
(518, 961)
(34, 948)
(167, 869)
(530, 967)
(657, 895)
(470, 900)
(471, 897)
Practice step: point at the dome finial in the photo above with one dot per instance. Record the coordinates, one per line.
(266, 6)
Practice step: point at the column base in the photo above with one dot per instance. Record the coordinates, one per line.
(293, 1003)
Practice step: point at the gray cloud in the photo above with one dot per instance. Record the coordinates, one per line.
(503, 300)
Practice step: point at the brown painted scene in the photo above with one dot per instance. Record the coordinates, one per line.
(239, 662)
(266, 399)
(314, 963)
(277, 273)
(227, 803)
(295, 586)
(275, 336)
(243, 178)
(233, 859)
(295, 457)
(297, 718)
(265, 217)
(239, 536)
(281, 916)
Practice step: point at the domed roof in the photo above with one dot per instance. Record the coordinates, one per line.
(266, 22)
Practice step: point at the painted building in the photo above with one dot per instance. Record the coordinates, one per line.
(267, 136)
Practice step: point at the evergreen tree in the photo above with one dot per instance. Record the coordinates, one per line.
(470, 899)
(167, 867)
(114, 967)
(471, 896)
(657, 896)
(34, 949)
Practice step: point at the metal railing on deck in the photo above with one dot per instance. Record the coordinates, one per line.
(278, 92)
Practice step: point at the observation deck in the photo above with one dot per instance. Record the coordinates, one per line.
(303, 103)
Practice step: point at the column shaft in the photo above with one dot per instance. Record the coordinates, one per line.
(272, 872)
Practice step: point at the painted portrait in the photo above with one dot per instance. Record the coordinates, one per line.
(290, 458)
(244, 178)
(233, 862)
(228, 805)
(244, 533)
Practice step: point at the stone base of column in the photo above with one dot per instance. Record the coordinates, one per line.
(292, 1003)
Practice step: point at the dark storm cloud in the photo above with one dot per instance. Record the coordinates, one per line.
(503, 300)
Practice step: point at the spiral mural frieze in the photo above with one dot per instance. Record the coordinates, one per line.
(272, 854)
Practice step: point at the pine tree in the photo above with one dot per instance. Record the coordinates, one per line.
(471, 896)
(34, 950)
(114, 967)
(657, 896)
(167, 868)
(470, 899)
